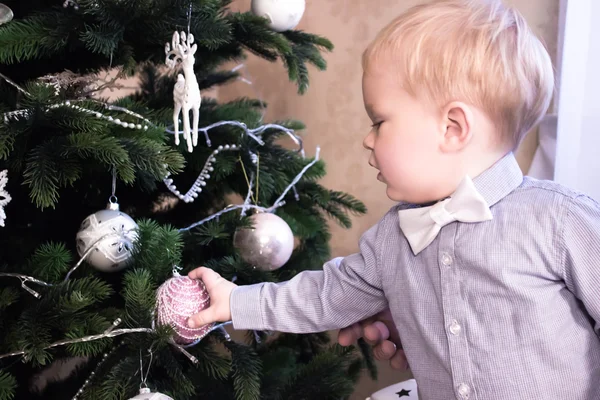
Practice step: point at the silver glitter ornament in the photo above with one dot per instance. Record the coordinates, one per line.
(111, 233)
(268, 245)
(6, 14)
(146, 394)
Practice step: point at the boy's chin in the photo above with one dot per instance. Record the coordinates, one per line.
(394, 195)
(399, 196)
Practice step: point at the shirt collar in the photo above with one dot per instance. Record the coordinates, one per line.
(499, 180)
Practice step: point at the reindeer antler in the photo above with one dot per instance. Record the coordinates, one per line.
(180, 48)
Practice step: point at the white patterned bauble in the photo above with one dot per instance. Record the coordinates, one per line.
(112, 234)
(146, 394)
(283, 15)
(268, 245)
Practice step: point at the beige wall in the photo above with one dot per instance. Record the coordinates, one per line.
(333, 110)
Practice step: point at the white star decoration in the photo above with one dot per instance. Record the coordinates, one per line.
(4, 196)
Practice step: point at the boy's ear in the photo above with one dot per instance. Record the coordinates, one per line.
(457, 133)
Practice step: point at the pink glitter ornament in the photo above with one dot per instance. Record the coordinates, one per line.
(178, 299)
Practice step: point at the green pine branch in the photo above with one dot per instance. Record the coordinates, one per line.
(179, 382)
(8, 296)
(230, 266)
(34, 337)
(368, 358)
(91, 287)
(139, 293)
(41, 175)
(119, 382)
(7, 141)
(253, 33)
(34, 37)
(348, 202)
(51, 262)
(211, 362)
(8, 385)
(306, 48)
(210, 231)
(88, 325)
(246, 371)
(157, 250)
(104, 149)
(324, 377)
(216, 79)
(102, 38)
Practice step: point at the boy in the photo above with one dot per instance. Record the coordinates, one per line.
(492, 279)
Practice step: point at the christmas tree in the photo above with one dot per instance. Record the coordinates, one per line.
(97, 224)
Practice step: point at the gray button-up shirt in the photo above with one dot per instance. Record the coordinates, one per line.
(502, 309)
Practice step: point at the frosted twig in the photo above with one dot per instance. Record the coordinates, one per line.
(249, 82)
(296, 179)
(205, 130)
(278, 203)
(248, 196)
(223, 211)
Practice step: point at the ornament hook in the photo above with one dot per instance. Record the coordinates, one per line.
(113, 200)
(143, 377)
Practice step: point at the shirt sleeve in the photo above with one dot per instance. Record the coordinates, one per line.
(346, 291)
(581, 250)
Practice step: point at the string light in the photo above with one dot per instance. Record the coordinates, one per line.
(107, 334)
(24, 279)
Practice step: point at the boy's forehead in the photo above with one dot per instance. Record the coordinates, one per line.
(382, 73)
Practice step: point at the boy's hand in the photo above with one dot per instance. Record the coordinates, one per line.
(381, 333)
(219, 289)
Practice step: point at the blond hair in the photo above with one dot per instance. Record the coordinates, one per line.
(476, 51)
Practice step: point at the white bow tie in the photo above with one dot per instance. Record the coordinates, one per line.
(422, 225)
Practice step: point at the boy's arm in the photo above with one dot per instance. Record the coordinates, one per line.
(581, 253)
(314, 301)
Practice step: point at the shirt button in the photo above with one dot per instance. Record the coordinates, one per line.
(447, 259)
(464, 390)
(455, 327)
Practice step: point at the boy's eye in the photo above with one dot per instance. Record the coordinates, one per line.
(376, 125)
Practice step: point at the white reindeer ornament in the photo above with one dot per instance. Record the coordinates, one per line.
(186, 93)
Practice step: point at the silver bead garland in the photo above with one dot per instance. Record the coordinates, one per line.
(97, 114)
(200, 182)
(87, 381)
